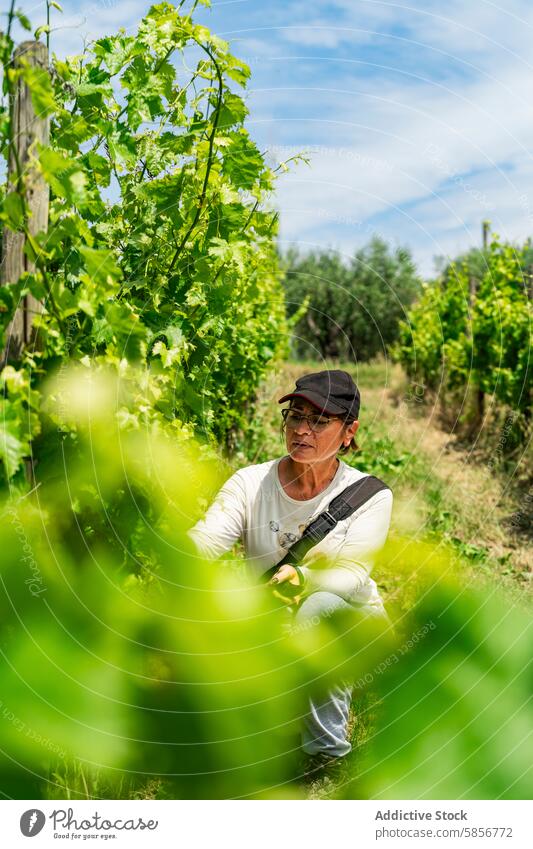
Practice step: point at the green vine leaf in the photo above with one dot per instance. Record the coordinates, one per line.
(12, 448)
(40, 86)
(12, 212)
(65, 175)
(23, 20)
(44, 28)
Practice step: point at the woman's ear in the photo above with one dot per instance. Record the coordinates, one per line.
(351, 430)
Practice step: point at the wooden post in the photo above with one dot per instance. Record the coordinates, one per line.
(480, 394)
(28, 128)
(486, 230)
(472, 287)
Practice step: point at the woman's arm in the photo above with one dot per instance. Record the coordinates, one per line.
(365, 536)
(224, 521)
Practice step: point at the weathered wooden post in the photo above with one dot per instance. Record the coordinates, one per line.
(486, 232)
(480, 394)
(28, 128)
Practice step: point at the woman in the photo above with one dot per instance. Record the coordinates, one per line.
(268, 505)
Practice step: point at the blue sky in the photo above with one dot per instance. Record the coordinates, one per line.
(417, 116)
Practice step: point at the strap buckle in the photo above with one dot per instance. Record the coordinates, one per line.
(320, 526)
(329, 518)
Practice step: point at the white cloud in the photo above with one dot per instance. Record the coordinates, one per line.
(455, 27)
(480, 128)
(87, 21)
(419, 132)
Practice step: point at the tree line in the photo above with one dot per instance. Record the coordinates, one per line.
(353, 305)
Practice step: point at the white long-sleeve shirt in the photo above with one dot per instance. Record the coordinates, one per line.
(253, 506)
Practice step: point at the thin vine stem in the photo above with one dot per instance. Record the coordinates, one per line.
(209, 164)
(10, 17)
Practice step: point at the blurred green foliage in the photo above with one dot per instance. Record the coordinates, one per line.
(124, 655)
(455, 713)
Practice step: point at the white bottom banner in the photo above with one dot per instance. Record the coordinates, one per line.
(267, 824)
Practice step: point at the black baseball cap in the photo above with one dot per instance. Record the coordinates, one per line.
(331, 391)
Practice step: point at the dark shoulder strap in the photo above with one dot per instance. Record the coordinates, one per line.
(341, 507)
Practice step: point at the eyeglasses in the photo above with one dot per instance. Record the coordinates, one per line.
(316, 423)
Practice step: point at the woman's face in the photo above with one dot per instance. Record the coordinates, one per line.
(306, 445)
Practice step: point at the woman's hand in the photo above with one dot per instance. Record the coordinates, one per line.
(286, 574)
